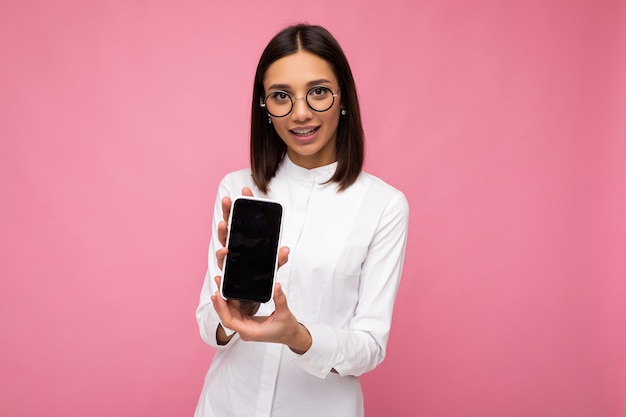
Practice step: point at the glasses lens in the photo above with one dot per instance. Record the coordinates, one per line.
(278, 103)
(320, 98)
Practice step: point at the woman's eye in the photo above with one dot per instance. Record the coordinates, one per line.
(279, 96)
(319, 92)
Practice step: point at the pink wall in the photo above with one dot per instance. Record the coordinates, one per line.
(502, 121)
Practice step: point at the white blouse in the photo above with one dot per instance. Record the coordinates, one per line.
(341, 280)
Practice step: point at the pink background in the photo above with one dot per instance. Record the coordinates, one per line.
(502, 121)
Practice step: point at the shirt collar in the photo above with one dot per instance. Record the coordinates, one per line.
(316, 175)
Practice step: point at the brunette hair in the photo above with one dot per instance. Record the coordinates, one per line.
(267, 150)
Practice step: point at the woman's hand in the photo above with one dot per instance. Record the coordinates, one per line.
(279, 327)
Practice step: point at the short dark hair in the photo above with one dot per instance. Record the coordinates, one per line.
(267, 150)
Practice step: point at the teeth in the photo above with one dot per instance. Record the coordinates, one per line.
(303, 132)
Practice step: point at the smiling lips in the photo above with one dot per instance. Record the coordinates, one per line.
(304, 132)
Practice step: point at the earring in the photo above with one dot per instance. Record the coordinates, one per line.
(269, 119)
(343, 112)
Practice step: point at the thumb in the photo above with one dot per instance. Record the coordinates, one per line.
(280, 299)
(283, 256)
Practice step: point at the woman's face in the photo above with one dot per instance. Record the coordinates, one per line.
(310, 136)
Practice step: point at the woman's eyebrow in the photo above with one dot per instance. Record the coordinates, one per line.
(309, 84)
(279, 87)
(318, 82)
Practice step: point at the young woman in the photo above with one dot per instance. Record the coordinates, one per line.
(344, 233)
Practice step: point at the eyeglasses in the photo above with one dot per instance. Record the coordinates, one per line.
(280, 103)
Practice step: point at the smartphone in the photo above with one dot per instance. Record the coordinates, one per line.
(254, 230)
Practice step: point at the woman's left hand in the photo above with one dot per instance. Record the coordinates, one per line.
(279, 327)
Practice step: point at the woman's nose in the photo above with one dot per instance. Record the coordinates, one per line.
(301, 110)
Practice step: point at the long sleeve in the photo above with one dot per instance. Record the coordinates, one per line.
(207, 318)
(361, 346)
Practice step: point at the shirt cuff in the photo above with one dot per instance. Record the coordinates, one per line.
(319, 359)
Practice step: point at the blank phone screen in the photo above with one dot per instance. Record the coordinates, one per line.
(252, 250)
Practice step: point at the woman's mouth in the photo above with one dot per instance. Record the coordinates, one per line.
(304, 132)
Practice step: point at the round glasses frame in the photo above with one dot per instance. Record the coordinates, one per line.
(306, 99)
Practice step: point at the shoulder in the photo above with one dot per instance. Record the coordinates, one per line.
(233, 182)
(238, 175)
(384, 193)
